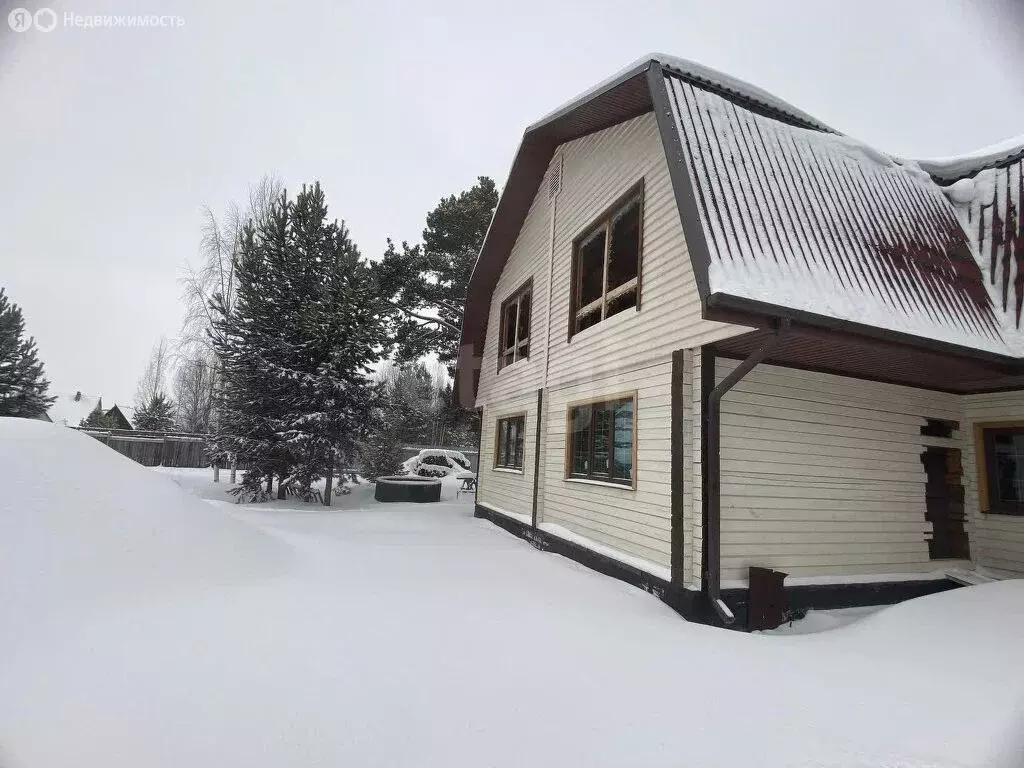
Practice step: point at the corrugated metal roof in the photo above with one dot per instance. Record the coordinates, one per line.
(817, 222)
(989, 207)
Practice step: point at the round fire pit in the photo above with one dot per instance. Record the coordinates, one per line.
(407, 488)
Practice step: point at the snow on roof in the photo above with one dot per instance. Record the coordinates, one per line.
(702, 73)
(71, 407)
(989, 208)
(951, 168)
(822, 223)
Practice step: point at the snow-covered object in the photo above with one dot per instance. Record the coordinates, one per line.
(70, 408)
(436, 462)
(382, 636)
(949, 168)
(823, 223)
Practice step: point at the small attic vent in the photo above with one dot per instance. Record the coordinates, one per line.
(555, 178)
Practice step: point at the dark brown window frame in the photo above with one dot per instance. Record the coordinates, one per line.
(985, 455)
(636, 191)
(600, 479)
(526, 289)
(498, 425)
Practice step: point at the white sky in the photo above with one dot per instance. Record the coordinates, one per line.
(113, 138)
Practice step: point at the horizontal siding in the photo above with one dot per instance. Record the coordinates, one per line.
(997, 541)
(822, 474)
(695, 542)
(638, 521)
(597, 170)
(529, 259)
(503, 490)
(688, 463)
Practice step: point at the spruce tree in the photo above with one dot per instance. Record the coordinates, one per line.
(296, 348)
(98, 419)
(23, 387)
(157, 415)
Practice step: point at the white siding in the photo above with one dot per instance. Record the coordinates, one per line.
(631, 351)
(688, 461)
(822, 474)
(638, 521)
(502, 489)
(598, 169)
(694, 542)
(997, 541)
(529, 258)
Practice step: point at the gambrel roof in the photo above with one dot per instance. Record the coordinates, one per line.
(785, 216)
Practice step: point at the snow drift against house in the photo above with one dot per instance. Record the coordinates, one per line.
(819, 222)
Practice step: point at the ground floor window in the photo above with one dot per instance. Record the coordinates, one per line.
(509, 439)
(602, 440)
(1004, 469)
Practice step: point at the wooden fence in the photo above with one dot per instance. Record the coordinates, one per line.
(154, 449)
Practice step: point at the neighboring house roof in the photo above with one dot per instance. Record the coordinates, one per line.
(121, 415)
(784, 214)
(71, 407)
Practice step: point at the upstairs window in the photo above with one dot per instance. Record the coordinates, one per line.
(515, 327)
(508, 444)
(602, 440)
(606, 264)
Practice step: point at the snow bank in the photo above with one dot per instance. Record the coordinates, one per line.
(409, 635)
(82, 528)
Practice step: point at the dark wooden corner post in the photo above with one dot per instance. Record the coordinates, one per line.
(711, 413)
(536, 455)
(677, 472)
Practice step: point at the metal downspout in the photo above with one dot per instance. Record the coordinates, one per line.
(714, 460)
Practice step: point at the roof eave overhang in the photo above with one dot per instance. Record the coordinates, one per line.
(724, 307)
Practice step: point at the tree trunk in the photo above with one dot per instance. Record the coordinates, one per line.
(216, 471)
(281, 487)
(234, 468)
(328, 484)
(270, 485)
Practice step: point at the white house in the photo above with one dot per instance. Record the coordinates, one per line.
(707, 332)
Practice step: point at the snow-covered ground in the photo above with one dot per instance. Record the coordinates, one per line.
(141, 625)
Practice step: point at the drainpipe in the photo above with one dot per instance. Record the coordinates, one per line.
(714, 462)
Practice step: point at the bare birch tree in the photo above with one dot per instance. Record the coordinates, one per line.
(215, 273)
(153, 381)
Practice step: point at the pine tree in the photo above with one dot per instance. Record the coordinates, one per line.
(426, 284)
(157, 415)
(381, 452)
(23, 387)
(98, 419)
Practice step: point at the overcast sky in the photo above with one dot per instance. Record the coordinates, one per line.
(112, 139)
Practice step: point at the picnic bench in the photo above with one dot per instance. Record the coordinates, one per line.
(468, 482)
